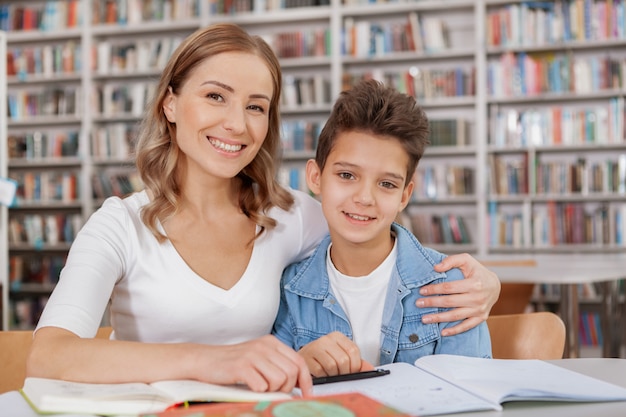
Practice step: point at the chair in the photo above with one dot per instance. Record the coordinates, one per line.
(514, 298)
(14, 348)
(538, 335)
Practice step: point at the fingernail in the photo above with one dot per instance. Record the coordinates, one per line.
(420, 303)
(423, 291)
(426, 320)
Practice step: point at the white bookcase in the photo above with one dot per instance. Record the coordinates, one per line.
(461, 87)
(4, 250)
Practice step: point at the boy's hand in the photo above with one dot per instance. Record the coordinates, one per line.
(366, 366)
(333, 354)
(471, 298)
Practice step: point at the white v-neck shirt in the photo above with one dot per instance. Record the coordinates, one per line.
(156, 297)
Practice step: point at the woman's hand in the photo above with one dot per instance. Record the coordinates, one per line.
(471, 299)
(263, 364)
(333, 354)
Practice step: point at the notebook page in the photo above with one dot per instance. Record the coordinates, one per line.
(412, 391)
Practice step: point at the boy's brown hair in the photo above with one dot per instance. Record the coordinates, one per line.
(371, 107)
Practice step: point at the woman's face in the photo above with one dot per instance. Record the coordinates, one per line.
(221, 114)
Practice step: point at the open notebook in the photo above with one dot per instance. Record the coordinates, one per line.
(441, 384)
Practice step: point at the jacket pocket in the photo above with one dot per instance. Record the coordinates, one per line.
(415, 335)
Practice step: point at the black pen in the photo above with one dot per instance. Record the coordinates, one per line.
(350, 377)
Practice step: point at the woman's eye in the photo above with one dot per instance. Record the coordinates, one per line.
(255, 107)
(215, 96)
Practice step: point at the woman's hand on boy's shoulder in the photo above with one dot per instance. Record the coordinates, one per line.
(470, 299)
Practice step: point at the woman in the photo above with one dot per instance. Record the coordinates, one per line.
(190, 267)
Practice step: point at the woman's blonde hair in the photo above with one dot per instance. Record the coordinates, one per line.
(157, 154)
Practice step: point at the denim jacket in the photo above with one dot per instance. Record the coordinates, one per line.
(309, 310)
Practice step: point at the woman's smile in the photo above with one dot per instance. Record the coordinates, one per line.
(226, 147)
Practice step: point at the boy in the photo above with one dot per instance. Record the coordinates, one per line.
(350, 305)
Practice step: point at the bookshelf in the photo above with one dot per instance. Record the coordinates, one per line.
(556, 150)
(503, 143)
(4, 250)
(556, 127)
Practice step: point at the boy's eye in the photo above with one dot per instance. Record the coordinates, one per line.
(345, 175)
(387, 184)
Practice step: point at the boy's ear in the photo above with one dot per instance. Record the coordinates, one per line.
(406, 195)
(169, 106)
(313, 176)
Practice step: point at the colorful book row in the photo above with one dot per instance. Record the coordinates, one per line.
(45, 16)
(558, 125)
(38, 144)
(529, 74)
(300, 135)
(302, 43)
(34, 187)
(590, 329)
(230, 7)
(118, 99)
(38, 230)
(128, 56)
(434, 229)
(303, 91)
(364, 38)
(556, 223)
(530, 23)
(422, 83)
(119, 182)
(114, 140)
(34, 269)
(449, 132)
(44, 60)
(24, 104)
(293, 177)
(127, 12)
(438, 181)
(508, 175)
(581, 177)
(601, 174)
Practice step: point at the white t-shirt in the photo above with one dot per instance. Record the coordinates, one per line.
(363, 300)
(155, 297)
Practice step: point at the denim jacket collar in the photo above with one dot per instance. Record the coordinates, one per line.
(412, 271)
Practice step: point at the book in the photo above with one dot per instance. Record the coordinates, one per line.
(442, 384)
(415, 30)
(56, 396)
(346, 404)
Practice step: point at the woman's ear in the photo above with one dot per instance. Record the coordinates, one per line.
(169, 106)
(313, 176)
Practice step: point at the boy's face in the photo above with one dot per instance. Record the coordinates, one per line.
(362, 187)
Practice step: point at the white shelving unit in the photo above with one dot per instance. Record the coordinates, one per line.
(4, 250)
(469, 50)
